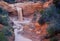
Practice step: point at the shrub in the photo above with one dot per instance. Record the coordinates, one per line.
(6, 31)
(4, 20)
(10, 1)
(51, 30)
(52, 17)
(49, 15)
(53, 39)
(4, 17)
(2, 37)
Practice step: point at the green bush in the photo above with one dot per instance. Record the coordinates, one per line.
(4, 20)
(10, 1)
(6, 30)
(41, 11)
(51, 30)
(2, 37)
(52, 18)
(53, 39)
(4, 17)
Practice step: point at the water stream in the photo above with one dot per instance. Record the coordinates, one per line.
(18, 25)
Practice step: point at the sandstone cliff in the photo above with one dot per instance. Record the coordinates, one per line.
(28, 7)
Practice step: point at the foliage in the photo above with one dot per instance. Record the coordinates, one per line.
(41, 21)
(52, 17)
(57, 3)
(41, 11)
(53, 39)
(2, 37)
(6, 31)
(49, 15)
(4, 17)
(10, 1)
(4, 20)
(51, 30)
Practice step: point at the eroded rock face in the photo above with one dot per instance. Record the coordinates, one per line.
(28, 7)
(6, 6)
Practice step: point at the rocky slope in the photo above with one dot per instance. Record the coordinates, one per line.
(28, 7)
(38, 32)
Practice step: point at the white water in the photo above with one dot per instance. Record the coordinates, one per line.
(18, 27)
(19, 11)
(19, 37)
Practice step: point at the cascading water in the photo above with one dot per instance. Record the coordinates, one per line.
(19, 24)
(19, 11)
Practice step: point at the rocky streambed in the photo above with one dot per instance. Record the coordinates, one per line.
(18, 29)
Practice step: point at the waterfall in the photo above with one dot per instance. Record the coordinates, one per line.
(19, 11)
(19, 24)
